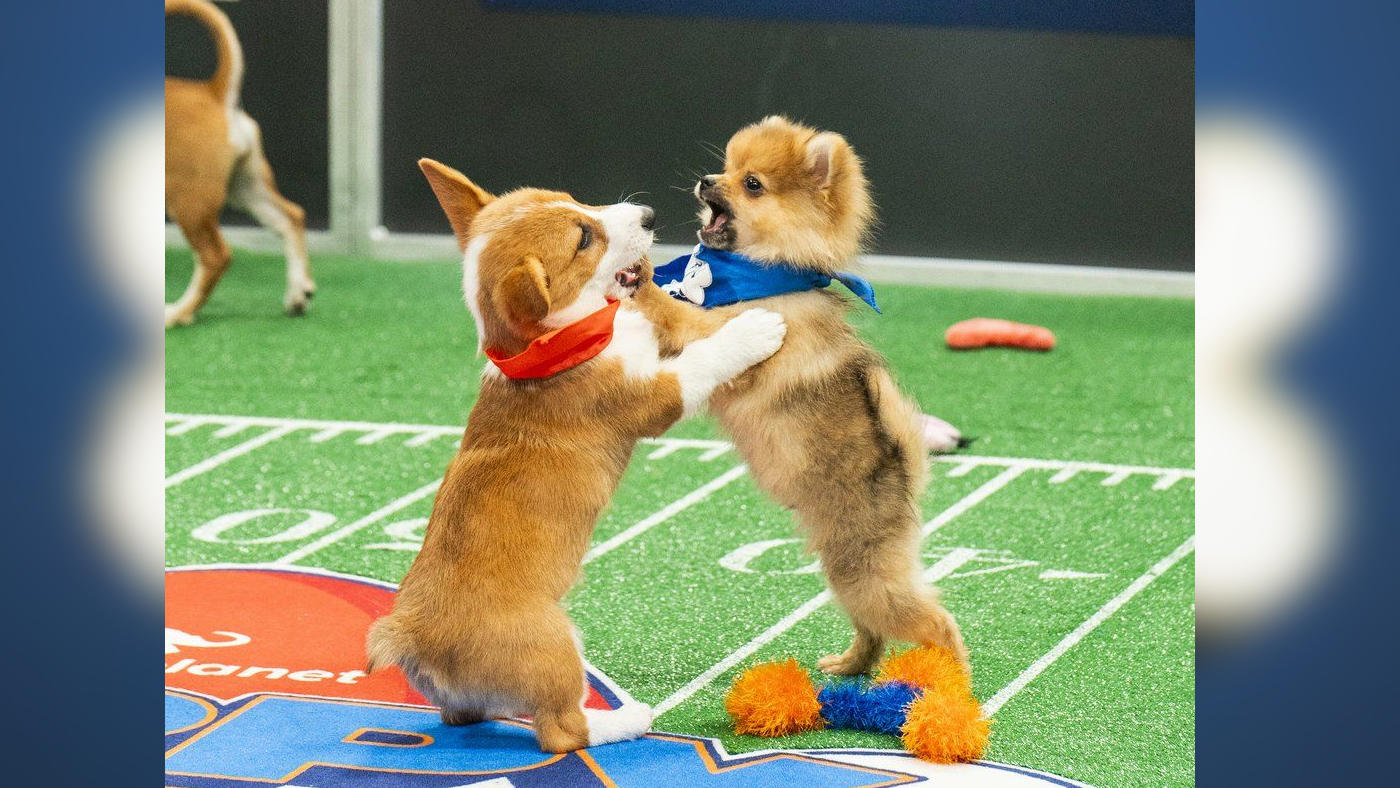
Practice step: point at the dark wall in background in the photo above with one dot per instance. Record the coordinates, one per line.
(980, 143)
(993, 144)
(284, 89)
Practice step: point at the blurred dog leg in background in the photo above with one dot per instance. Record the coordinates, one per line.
(213, 157)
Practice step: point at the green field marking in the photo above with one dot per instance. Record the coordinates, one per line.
(648, 494)
(383, 549)
(1013, 617)
(1127, 690)
(386, 547)
(391, 343)
(641, 495)
(194, 442)
(1010, 614)
(329, 483)
(674, 575)
(1132, 721)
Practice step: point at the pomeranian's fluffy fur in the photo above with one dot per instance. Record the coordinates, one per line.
(822, 425)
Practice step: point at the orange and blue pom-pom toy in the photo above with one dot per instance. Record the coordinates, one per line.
(924, 696)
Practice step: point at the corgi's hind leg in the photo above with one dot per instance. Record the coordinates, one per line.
(606, 726)
(550, 671)
(559, 687)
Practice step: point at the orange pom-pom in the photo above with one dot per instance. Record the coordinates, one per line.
(927, 667)
(946, 726)
(775, 699)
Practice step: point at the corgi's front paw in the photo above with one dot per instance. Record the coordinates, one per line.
(754, 335)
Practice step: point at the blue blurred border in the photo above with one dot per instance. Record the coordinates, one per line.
(79, 642)
(1311, 703)
(1145, 17)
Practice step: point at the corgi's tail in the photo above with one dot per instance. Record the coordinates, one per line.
(385, 645)
(227, 81)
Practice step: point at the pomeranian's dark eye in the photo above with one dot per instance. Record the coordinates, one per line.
(751, 183)
(585, 239)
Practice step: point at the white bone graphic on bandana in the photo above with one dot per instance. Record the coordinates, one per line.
(175, 638)
(692, 284)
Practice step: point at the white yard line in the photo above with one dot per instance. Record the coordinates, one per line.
(945, 566)
(228, 454)
(743, 652)
(372, 432)
(360, 524)
(421, 434)
(972, 499)
(1080, 632)
(670, 510)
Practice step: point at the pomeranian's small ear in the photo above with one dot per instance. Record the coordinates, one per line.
(521, 295)
(461, 199)
(822, 156)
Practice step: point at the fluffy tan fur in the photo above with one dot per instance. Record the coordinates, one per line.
(822, 424)
(213, 157)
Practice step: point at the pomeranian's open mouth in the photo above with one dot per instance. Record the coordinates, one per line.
(719, 216)
(718, 230)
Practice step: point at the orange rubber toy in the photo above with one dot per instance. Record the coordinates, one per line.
(980, 332)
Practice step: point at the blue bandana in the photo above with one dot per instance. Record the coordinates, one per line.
(713, 277)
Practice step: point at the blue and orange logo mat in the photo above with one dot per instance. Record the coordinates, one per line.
(265, 686)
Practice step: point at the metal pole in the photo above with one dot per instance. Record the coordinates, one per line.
(356, 52)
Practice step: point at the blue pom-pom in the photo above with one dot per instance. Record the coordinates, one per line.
(880, 708)
(841, 702)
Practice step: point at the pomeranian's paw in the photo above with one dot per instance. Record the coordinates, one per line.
(844, 664)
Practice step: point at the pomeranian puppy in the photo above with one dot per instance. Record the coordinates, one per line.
(822, 425)
(575, 379)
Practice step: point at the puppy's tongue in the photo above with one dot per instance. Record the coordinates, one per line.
(718, 219)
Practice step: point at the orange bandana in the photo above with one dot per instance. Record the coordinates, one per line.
(561, 349)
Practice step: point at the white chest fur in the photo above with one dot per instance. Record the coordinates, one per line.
(634, 344)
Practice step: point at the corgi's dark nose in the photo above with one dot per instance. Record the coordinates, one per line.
(706, 181)
(648, 218)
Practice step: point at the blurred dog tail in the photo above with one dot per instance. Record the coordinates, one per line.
(227, 81)
(385, 645)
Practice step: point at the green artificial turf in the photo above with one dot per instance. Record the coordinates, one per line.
(392, 342)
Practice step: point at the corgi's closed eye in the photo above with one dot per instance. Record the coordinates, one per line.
(585, 238)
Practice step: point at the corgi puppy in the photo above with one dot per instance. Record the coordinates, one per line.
(477, 626)
(822, 425)
(213, 156)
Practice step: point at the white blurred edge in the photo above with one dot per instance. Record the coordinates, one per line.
(1268, 250)
(123, 469)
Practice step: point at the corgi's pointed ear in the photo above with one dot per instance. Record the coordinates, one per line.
(461, 199)
(522, 296)
(824, 156)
